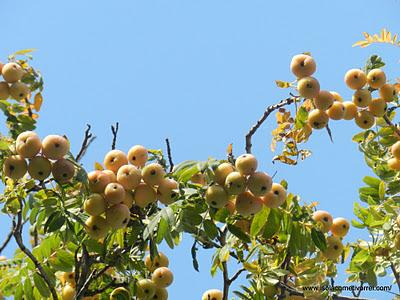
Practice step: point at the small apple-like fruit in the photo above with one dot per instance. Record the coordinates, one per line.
(275, 197)
(376, 78)
(350, 110)
(12, 72)
(387, 92)
(129, 177)
(153, 174)
(216, 196)
(19, 91)
(114, 160)
(55, 146)
(63, 170)
(355, 79)
(334, 248)
(323, 100)
(98, 181)
(96, 227)
(235, 183)
(336, 111)
(398, 220)
(39, 168)
(336, 96)
(362, 98)
(138, 156)
(68, 278)
(377, 107)
(303, 65)
(160, 294)
(270, 291)
(15, 167)
(162, 277)
(246, 164)
(161, 260)
(4, 90)
(395, 150)
(394, 164)
(111, 175)
(167, 191)
(198, 178)
(397, 241)
(212, 295)
(120, 293)
(247, 204)
(364, 119)
(340, 227)
(318, 119)
(95, 205)
(144, 194)
(222, 171)
(118, 216)
(308, 87)
(259, 183)
(323, 219)
(146, 289)
(128, 200)
(114, 193)
(68, 292)
(231, 205)
(28, 144)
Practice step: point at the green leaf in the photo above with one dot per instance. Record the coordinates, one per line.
(357, 224)
(372, 182)
(301, 117)
(210, 228)
(319, 239)
(382, 190)
(259, 220)
(162, 229)
(273, 224)
(238, 233)
(28, 289)
(41, 285)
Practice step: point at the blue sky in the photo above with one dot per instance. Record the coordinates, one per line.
(200, 73)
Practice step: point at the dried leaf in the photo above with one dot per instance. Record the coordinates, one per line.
(98, 166)
(282, 84)
(38, 100)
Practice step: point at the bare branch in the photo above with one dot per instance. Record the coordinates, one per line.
(236, 275)
(8, 238)
(114, 130)
(171, 163)
(87, 140)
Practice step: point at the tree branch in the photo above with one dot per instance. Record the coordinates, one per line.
(387, 120)
(114, 130)
(8, 238)
(396, 274)
(236, 275)
(87, 140)
(171, 163)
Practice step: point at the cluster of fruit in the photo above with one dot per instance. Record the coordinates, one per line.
(240, 187)
(338, 227)
(68, 291)
(329, 105)
(44, 158)
(12, 87)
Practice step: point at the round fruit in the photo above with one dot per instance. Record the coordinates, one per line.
(39, 168)
(398, 220)
(340, 227)
(395, 149)
(231, 205)
(355, 79)
(259, 183)
(246, 164)
(167, 191)
(12, 72)
(323, 100)
(397, 241)
(324, 219)
(55, 146)
(111, 175)
(28, 144)
(394, 164)
(138, 156)
(334, 248)
(114, 160)
(96, 227)
(376, 78)
(158, 261)
(120, 292)
(118, 216)
(162, 277)
(144, 194)
(198, 178)
(95, 205)
(15, 167)
(19, 91)
(336, 111)
(336, 96)
(68, 293)
(303, 65)
(377, 107)
(98, 181)
(4, 90)
(308, 87)
(160, 294)
(350, 110)
(235, 183)
(63, 170)
(362, 98)
(212, 295)
(247, 204)
(146, 289)
(128, 200)
(114, 193)
(364, 119)
(222, 171)
(68, 277)
(275, 197)
(129, 177)
(387, 92)
(318, 119)
(153, 174)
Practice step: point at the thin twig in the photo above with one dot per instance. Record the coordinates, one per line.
(236, 275)
(395, 128)
(85, 263)
(328, 129)
(114, 130)
(87, 140)
(8, 238)
(171, 163)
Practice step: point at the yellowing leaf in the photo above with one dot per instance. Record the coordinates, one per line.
(38, 100)
(282, 84)
(229, 149)
(384, 37)
(24, 51)
(98, 166)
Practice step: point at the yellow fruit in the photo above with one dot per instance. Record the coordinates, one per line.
(96, 227)
(138, 156)
(153, 174)
(259, 183)
(336, 96)
(397, 241)
(144, 194)
(216, 196)
(111, 175)
(168, 191)
(395, 149)
(146, 289)
(231, 205)
(55, 146)
(114, 193)
(28, 144)
(246, 164)
(68, 293)
(323, 100)
(318, 119)
(120, 292)
(377, 107)
(68, 278)
(128, 200)
(340, 227)
(336, 111)
(98, 181)
(198, 178)
(222, 171)
(39, 168)
(398, 220)
(12, 72)
(212, 295)
(1, 66)
(376, 78)
(118, 216)
(355, 79)
(4, 90)
(114, 160)
(162, 277)
(15, 167)
(308, 87)
(350, 110)
(129, 177)
(364, 119)
(235, 183)
(159, 261)
(323, 219)
(95, 205)
(247, 204)
(362, 98)
(275, 197)
(394, 164)
(303, 65)
(161, 294)
(19, 91)
(387, 92)
(63, 170)
(334, 247)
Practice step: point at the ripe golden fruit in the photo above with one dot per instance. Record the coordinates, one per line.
(160, 294)
(395, 149)
(355, 79)
(303, 65)
(28, 144)
(1, 66)
(308, 87)
(98, 181)
(394, 164)
(68, 278)
(63, 170)
(4, 90)
(19, 91)
(376, 78)
(138, 156)
(235, 183)
(318, 119)
(39, 168)
(246, 164)
(68, 293)
(247, 204)
(336, 111)
(216, 196)
(114, 160)
(111, 175)
(15, 167)
(55, 146)
(350, 110)
(334, 247)
(118, 216)
(198, 178)
(364, 119)
(275, 197)
(153, 174)
(398, 220)
(114, 193)
(95, 205)
(128, 200)
(212, 295)
(387, 92)
(377, 107)
(324, 219)
(397, 241)
(146, 289)
(167, 191)
(162, 277)
(159, 261)
(259, 183)
(340, 227)
(336, 96)
(231, 205)
(12, 72)
(96, 227)
(129, 177)
(362, 98)
(222, 171)
(323, 100)
(120, 292)
(144, 194)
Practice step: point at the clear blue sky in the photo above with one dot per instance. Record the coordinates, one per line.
(200, 73)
